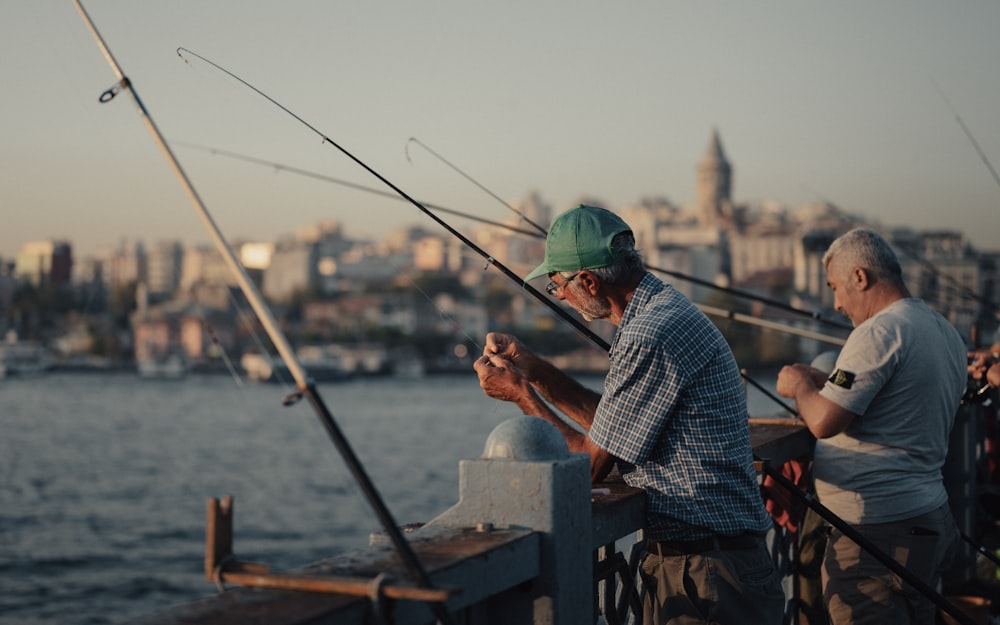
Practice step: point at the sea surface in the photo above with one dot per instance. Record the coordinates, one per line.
(104, 479)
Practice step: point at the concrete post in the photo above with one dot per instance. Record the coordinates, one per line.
(528, 479)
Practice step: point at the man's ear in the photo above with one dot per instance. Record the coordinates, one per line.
(860, 278)
(589, 281)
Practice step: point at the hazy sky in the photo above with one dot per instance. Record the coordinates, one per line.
(845, 101)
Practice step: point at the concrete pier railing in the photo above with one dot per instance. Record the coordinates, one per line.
(530, 540)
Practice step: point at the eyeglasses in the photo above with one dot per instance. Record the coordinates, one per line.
(552, 288)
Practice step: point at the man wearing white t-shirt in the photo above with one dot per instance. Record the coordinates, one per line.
(882, 420)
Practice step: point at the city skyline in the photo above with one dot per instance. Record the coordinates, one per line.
(854, 104)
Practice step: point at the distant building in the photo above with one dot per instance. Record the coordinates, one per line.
(322, 261)
(518, 251)
(176, 328)
(45, 263)
(943, 270)
(204, 265)
(256, 256)
(122, 266)
(715, 186)
(645, 217)
(692, 242)
(289, 270)
(164, 262)
(752, 253)
(809, 280)
(91, 283)
(356, 313)
(8, 282)
(700, 253)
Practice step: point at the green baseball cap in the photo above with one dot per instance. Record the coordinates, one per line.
(580, 238)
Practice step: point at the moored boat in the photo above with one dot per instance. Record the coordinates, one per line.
(324, 364)
(23, 358)
(167, 366)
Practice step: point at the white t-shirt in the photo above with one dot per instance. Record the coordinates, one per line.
(903, 372)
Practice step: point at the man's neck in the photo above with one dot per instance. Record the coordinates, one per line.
(619, 297)
(883, 296)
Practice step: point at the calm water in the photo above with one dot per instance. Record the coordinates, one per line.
(104, 479)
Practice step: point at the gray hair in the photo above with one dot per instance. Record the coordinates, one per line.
(867, 249)
(624, 270)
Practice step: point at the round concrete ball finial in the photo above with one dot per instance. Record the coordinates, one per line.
(525, 438)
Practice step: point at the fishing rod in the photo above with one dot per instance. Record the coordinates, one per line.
(980, 549)
(961, 288)
(279, 167)
(760, 387)
(771, 325)
(827, 514)
(968, 134)
(305, 384)
(847, 530)
(892, 564)
(406, 150)
(674, 274)
(709, 310)
(561, 312)
(810, 501)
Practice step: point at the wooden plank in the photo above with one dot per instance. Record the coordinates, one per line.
(356, 586)
(437, 548)
(482, 563)
(218, 533)
(260, 606)
(617, 513)
(779, 442)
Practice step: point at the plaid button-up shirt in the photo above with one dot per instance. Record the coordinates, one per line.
(674, 408)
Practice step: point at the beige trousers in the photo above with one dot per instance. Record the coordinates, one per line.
(733, 587)
(858, 589)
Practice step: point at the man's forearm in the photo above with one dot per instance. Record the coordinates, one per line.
(823, 418)
(578, 402)
(532, 405)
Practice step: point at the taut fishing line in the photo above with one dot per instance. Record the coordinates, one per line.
(406, 151)
(305, 385)
(280, 167)
(849, 531)
(776, 475)
(542, 232)
(445, 316)
(968, 134)
(539, 232)
(597, 340)
(578, 325)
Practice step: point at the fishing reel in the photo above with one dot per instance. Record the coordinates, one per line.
(978, 392)
(977, 386)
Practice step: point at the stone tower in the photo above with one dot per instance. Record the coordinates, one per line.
(714, 190)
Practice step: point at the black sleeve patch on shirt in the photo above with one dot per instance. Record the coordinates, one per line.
(841, 378)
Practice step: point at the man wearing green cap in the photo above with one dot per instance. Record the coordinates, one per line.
(673, 416)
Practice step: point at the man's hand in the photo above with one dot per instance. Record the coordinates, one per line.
(993, 375)
(823, 417)
(792, 376)
(501, 379)
(509, 348)
(981, 363)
